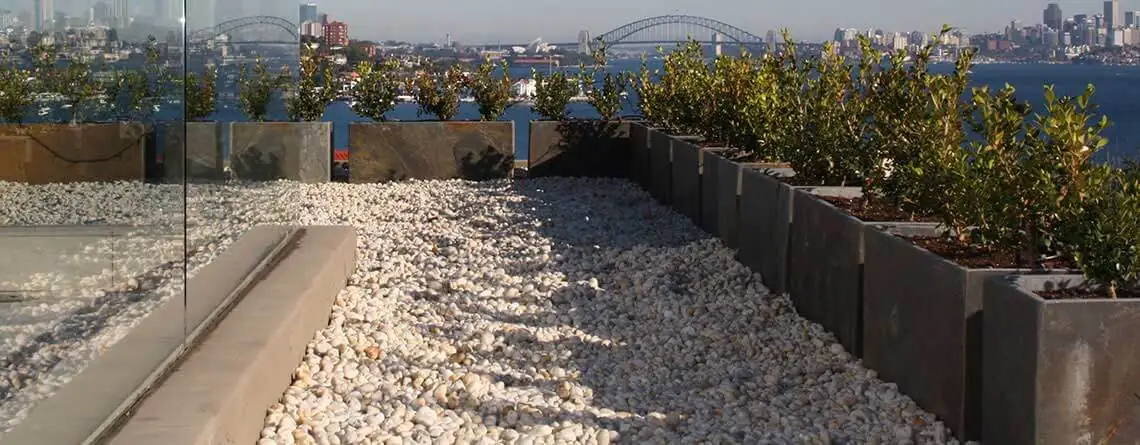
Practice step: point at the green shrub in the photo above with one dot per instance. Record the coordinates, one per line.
(493, 94)
(316, 87)
(17, 92)
(684, 89)
(829, 151)
(1032, 174)
(256, 87)
(552, 93)
(918, 161)
(145, 89)
(732, 89)
(201, 94)
(75, 82)
(788, 115)
(650, 100)
(1106, 236)
(936, 180)
(376, 90)
(437, 93)
(605, 99)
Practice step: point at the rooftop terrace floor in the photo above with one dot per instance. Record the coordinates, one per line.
(565, 311)
(549, 310)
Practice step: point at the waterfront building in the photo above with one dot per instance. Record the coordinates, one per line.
(1053, 16)
(336, 34)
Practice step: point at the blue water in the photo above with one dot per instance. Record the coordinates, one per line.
(1117, 96)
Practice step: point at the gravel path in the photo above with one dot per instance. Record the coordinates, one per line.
(564, 311)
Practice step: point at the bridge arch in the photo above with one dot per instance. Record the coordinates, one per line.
(229, 26)
(732, 33)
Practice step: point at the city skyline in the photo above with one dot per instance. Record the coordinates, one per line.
(490, 21)
(483, 22)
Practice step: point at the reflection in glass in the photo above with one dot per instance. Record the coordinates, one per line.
(91, 227)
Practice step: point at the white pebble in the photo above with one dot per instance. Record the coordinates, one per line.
(498, 313)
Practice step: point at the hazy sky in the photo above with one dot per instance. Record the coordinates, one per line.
(522, 20)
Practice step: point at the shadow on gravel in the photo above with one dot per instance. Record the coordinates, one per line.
(609, 358)
(35, 360)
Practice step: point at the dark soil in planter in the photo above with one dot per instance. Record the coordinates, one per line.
(874, 210)
(1085, 293)
(978, 257)
(799, 181)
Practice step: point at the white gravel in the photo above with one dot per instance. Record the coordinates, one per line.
(547, 311)
(91, 291)
(565, 311)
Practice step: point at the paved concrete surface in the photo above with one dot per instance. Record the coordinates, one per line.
(105, 389)
(220, 393)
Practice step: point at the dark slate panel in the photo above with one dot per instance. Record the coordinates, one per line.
(267, 151)
(387, 151)
(579, 148)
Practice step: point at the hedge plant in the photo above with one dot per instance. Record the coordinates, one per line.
(552, 94)
(1105, 237)
(317, 86)
(256, 87)
(376, 90)
(605, 98)
(437, 92)
(1022, 183)
(201, 94)
(17, 93)
(493, 94)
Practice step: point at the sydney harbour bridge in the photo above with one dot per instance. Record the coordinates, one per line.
(658, 30)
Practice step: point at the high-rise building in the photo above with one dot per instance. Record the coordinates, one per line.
(312, 29)
(308, 12)
(45, 15)
(101, 13)
(1112, 19)
(771, 39)
(323, 19)
(584, 41)
(336, 34)
(120, 13)
(1051, 38)
(1053, 16)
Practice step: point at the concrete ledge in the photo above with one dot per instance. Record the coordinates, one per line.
(220, 393)
(110, 385)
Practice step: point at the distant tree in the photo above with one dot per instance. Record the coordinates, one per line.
(356, 54)
(34, 39)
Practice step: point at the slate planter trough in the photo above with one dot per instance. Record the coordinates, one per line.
(394, 151)
(660, 165)
(765, 219)
(195, 147)
(685, 184)
(711, 202)
(268, 151)
(825, 262)
(922, 326)
(581, 148)
(729, 222)
(63, 153)
(639, 154)
(1059, 372)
